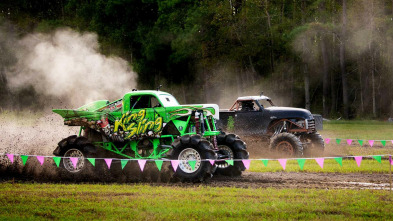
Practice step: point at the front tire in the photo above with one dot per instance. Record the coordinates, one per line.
(313, 144)
(193, 148)
(287, 145)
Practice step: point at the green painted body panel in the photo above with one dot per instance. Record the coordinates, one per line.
(125, 126)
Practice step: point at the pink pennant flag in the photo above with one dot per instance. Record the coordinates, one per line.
(108, 163)
(327, 140)
(320, 161)
(371, 142)
(358, 160)
(40, 159)
(11, 157)
(349, 141)
(142, 164)
(392, 141)
(246, 164)
(283, 162)
(390, 160)
(212, 162)
(74, 161)
(175, 163)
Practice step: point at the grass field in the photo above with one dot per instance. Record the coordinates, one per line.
(97, 202)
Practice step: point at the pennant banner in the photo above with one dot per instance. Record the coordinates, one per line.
(142, 164)
(283, 162)
(74, 161)
(174, 164)
(320, 161)
(123, 163)
(24, 159)
(246, 164)
(11, 157)
(192, 163)
(40, 159)
(301, 163)
(57, 161)
(108, 163)
(339, 160)
(358, 160)
(159, 164)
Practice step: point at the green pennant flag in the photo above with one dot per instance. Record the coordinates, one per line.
(123, 163)
(230, 162)
(57, 161)
(159, 164)
(24, 159)
(360, 142)
(383, 142)
(338, 141)
(192, 164)
(339, 160)
(378, 158)
(265, 162)
(301, 163)
(92, 161)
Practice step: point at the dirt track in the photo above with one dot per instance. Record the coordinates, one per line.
(131, 174)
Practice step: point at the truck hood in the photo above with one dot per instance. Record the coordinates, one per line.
(215, 110)
(289, 112)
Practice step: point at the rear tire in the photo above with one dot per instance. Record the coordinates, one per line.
(313, 144)
(78, 147)
(287, 145)
(235, 149)
(193, 148)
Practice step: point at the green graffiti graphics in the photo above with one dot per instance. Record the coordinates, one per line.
(136, 124)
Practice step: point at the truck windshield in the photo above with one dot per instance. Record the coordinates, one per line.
(168, 100)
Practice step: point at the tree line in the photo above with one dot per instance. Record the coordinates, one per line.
(333, 57)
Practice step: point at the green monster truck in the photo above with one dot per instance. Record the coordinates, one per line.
(150, 124)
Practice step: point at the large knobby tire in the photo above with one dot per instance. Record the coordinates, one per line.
(287, 145)
(76, 147)
(313, 144)
(187, 148)
(231, 146)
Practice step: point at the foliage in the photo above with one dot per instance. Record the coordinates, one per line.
(238, 46)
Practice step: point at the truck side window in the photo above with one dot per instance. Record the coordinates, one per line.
(154, 102)
(140, 102)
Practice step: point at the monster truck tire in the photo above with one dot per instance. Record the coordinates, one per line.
(314, 144)
(74, 146)
(193, 148)
(230, 144)
(288, 144)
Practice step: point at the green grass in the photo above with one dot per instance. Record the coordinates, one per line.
(369, 130)
(93, 202)
(330, 166)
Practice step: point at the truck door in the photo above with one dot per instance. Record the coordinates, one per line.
(248, 119)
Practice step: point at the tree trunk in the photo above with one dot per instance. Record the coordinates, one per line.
(325, 78)
(307, 87)
(305, 67)
(270, 36)
(342, 60)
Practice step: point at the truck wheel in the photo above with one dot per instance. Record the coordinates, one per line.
(235, 149)
(192, 148)
(78, 147)
(313, 144)
(287, 144)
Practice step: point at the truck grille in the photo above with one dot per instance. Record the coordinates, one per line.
(311, 125)
(318, 122)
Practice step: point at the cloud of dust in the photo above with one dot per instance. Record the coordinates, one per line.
(67, 65)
